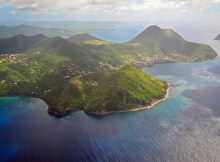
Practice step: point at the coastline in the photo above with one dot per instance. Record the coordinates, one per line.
(154, 103)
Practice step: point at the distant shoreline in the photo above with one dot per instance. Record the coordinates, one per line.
(152, 104)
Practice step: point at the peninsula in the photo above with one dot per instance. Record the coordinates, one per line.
(86, 73)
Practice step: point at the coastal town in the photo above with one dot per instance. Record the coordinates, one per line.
(70, 70)
(150, 61)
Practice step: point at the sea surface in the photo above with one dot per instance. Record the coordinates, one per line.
(183, 128)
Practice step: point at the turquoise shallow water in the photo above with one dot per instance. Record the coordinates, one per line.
(183, 128)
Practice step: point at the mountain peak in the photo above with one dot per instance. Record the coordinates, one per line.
(155, 34)
(153, 27)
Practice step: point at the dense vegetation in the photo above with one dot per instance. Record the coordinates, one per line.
(22, 75)
(19, 43)
(86, 73)
(124, 89)
(42, 75)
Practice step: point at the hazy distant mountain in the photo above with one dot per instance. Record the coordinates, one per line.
(169, 42)
(65, 24)
(9, 31)
(218, 37)
(69, 26)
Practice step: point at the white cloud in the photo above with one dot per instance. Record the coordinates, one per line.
(171, 4)
(107, 5)
(58, 4)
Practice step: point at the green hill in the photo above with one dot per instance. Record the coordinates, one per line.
(168, 42)
(19, 43)
(124, 89)
(116, 90)
(68, 97)
(60, 46)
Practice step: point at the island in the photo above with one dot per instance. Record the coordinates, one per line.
(217, 37)
(86, 73)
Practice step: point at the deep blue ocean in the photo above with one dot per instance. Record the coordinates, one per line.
(183, 128)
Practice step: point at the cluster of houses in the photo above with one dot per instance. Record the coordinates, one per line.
(69, 71)
(11, 58)
(149, 61)
(72, 70)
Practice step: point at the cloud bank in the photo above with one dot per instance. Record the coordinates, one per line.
(106, 5)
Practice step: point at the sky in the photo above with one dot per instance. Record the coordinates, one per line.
(112, 10)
